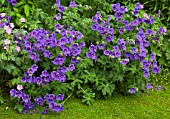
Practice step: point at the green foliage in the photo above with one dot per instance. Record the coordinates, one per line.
(91, 79)
(153, 6)
(164, 59)
(163, 78)
(23, 9)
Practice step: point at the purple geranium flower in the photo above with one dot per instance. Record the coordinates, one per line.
(39, 101)
(109, 38)
(93, 48)
(146, 73)
(44, 73)
(47, 54)
(116, 48)
(106, 52)
(57, 3)
(110, 30)
(124, 61)
(61, 8)
(101, 46)
(32, 55)
(45, 111)
(79, 35)
(148, 86)
(94, 27)
(117, 54)
(31, 70)
(13, 92)
(20, 94)
(71, 67)
(152, 56)
(26, 98)
(34, 67)
(60, 97)
(156, 70)
(132, 90)
(38, 80)
(115, 7)
(58, 16)
(72, 4)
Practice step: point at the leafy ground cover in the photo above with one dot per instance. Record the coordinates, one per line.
(152, 105)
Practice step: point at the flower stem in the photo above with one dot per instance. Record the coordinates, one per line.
(67, 98)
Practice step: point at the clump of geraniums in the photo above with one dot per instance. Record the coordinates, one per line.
(59, 51)
(128, 41)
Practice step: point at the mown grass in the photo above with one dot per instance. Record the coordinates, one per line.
(153, 106)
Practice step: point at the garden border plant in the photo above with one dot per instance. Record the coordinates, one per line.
(121, 51)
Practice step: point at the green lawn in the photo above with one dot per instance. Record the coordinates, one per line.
(155, 106)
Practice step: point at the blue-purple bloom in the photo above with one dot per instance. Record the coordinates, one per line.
(71, 67)
(106, 52)
(101, 46)
(13, 2)
(156, 70)
(132, 90)
(72, 4)
(109, 38)
(152, 56)
(60, 97)
(26, 98)
(115, 7)
(44, 73)
(39, 101)
(57, 3)
(146, 73)
(13, 92)
(117, 54)
(30, 70)
(116, 48)
(61, 8)
(124, 61)
(110, 30)
(47, 54)
(93, 48)
(58, 16)
(45, 111)
(148, 86)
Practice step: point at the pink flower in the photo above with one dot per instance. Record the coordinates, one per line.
(11, 25)
(17, 48)
(7, 42)
(8, 29)
(16, 42)
(5, 47)
(165, 29)
(141, 6)
(22, 20)
(2, 15)
(19, 87)
(145, 16)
